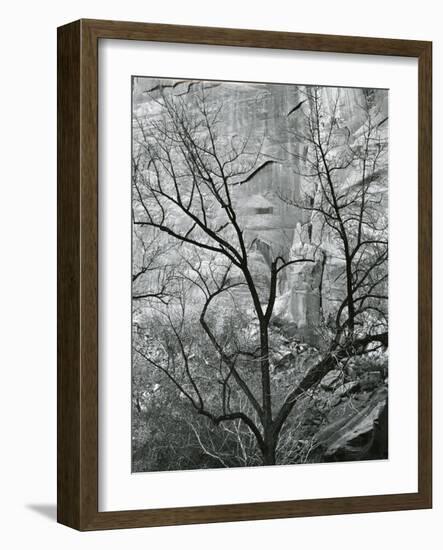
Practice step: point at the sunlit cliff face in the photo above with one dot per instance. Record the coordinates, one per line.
(270, 119)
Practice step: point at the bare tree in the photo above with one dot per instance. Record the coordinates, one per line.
(154, 273)
(185, 176)
(346, 198)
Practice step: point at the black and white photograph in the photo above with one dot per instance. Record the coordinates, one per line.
(219, 289)
(259, 274)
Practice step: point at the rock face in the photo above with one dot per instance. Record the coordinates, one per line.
(267, 115)
(361, 436)
(332, 380)
(346, 417)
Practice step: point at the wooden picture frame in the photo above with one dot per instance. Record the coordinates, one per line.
(78, 274)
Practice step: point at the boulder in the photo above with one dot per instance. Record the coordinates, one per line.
(332, 380)
(358, 436)
(347, 389)
(343, 391)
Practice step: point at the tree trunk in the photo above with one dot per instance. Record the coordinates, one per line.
(269, 451)
(349, 289)
(265, 374)
(268, 435)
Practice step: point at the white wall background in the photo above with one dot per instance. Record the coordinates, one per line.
(28, 272)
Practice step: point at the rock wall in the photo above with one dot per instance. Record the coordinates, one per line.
(267, 115)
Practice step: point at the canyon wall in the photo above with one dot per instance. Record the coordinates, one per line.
(270, 117)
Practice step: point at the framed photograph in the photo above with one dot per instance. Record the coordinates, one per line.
(244, 275)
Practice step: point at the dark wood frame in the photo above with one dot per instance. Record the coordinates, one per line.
(77, 455)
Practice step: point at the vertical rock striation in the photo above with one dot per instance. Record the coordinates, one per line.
(271, 117)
